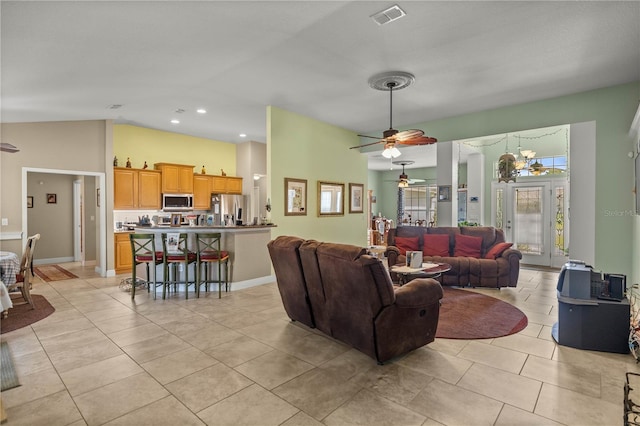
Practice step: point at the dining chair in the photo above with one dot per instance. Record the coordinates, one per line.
(174, 253)
(209, 252)
(143, 250)
(24, 274)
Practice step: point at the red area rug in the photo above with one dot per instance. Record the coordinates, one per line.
(53, 273)
(469, 315)
(21, 315)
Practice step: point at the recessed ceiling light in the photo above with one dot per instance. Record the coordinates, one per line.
(174, 121)
(243, 135)
(201, 111)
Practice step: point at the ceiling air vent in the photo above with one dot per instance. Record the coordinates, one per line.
(388, 15)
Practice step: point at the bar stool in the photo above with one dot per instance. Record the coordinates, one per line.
(143, 250)
(208, 252)
(175, 252)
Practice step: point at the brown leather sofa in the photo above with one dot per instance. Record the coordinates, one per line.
(501, 271)
(348, 295)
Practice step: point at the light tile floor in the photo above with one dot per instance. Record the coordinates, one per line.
(103, 359)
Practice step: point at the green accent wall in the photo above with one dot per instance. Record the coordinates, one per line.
(303, 148)
(612, 109)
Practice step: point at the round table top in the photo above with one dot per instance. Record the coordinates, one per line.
(427, 269)
(8, 255)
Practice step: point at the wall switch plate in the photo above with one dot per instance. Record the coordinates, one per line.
(5, 221)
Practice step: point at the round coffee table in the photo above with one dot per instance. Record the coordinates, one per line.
(428, 270)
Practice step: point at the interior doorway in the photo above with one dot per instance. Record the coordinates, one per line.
(72, 211)
(534, 216)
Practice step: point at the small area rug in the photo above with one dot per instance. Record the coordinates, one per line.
(21, 315)
(8, 376)
(468, 315)
(53, 273)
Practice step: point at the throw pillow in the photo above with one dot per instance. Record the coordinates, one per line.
(496, 250)
(435, 245)
(407, 243)
(468, 246)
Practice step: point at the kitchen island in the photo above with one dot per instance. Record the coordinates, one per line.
(249, 261)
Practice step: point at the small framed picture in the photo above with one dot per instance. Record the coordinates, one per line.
(295, 197)
(176, 219)
(444, 193)
(29, 202)
(356, 191)
(52, 199)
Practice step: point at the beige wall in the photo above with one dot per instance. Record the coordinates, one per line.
(54, 222)
(66, 146)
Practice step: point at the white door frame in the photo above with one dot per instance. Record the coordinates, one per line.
(548, 256)
(101, 267)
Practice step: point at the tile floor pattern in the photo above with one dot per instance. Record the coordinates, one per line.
(101, 359)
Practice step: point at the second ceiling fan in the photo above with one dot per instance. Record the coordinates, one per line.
(391, 81)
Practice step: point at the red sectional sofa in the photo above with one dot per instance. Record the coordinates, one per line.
(478, 255)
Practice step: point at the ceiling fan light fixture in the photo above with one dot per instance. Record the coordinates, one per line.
(390, 151)
(403, 184)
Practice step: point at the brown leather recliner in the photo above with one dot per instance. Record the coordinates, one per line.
(291, 283)
(352, 299)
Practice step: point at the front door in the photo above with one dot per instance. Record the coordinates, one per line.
(533, 215)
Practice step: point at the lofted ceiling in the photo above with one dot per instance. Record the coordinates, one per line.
(76, 60)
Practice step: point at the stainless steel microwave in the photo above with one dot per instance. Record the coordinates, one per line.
(177, 202)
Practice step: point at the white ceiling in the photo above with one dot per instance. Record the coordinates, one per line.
(71, 60)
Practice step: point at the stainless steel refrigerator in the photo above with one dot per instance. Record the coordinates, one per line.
(230, 210)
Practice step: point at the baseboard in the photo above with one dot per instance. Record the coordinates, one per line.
(241, 285)
(53, 260)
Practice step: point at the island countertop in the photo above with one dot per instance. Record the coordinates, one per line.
(250, 263)
(202, 228)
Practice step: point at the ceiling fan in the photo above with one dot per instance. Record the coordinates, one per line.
(403, 179)
(7, 147)
(389, 81)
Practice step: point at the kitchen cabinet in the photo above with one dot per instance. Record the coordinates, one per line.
(202, 190)
(176, 178)
(234, 185)
(136, 189)
(226, 185)
(123, 257)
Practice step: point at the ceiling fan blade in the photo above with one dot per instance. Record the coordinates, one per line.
(368, 144)
(422, 140)
(372, 137)
(408, 134)
(416, 180)
(7, 147)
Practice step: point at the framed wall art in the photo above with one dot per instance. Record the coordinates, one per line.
(356, 191)
(29, 202)
(330, 199)
(295, 197)
(52, 198)
(444, 193)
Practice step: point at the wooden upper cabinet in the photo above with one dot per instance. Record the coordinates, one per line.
(202, 192)
(136, 189)
(149, 197)
(176, 178)
(226, 185)
(234, 185)
(125, 184)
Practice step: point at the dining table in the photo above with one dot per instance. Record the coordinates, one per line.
(9, 267)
